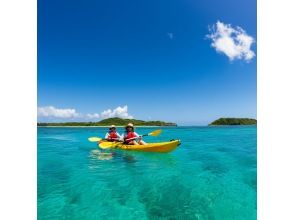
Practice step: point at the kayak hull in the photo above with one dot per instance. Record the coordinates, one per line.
(161, 147)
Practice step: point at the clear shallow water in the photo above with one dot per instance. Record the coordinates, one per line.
(212, 175)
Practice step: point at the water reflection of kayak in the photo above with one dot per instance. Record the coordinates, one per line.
(101, 155)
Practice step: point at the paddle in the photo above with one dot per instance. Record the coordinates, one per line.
(97, 139)
(107, 144)
(153, 133)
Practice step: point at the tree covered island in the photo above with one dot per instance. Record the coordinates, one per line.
(110, 121)
(234, 121)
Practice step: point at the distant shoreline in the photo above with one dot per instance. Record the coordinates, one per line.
(150, 126)
(119, 122)
(100, 126)
(233, 121)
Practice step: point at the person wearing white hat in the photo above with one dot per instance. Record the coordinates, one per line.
(112, 134)
(131, 137)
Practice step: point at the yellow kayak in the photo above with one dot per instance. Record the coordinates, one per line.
(161, 147)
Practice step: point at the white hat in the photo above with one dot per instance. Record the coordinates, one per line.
(112, 126)
(130, 125)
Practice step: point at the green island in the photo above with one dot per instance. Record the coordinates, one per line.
(234, 121)
(108, 122)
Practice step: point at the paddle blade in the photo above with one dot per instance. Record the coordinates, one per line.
(155, 133)
(94, 139)
(106, 144)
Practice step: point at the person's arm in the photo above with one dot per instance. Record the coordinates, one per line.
(137, 134)
(107, 135)
(120, 137)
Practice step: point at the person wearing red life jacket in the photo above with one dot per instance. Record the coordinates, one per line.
(112, 134)
(131, 137)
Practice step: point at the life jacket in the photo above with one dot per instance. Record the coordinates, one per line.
(129, 135)
(112, 135)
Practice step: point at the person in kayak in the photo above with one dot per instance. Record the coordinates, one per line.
(131, 137)
(112, 134)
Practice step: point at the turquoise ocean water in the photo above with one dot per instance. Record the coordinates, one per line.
(212, 175)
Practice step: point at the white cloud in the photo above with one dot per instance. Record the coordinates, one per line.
(51, 111)
(93, 116)
(235, 43)
(121, 112)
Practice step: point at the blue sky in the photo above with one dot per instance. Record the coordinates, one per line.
(155, 57)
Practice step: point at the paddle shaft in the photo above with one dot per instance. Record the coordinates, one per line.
(129, 139)
(112, 139)
(144, 135)
(135, 138)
